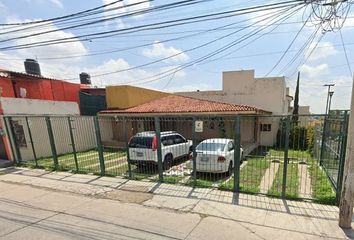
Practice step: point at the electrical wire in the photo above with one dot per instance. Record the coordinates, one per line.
(345, 53)
(159, 25)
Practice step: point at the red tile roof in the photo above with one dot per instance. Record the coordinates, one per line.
(179, 104)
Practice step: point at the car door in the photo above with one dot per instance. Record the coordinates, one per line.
(181, 146)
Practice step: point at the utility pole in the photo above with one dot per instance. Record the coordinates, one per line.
(330, 101)
(347, 195)
(328, 93)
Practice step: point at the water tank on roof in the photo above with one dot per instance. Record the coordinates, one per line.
(85, 78)
(32, 67)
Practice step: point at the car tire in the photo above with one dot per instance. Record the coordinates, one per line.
(167, 162)
(230, 169)
(241, 160)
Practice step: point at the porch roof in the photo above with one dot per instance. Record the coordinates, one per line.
(174, 104)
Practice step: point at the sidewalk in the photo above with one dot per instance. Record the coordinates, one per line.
(36, 204)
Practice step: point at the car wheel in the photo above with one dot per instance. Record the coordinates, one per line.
(241, 160)
(167, 162)
(230, 169)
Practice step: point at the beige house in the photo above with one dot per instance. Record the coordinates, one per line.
(242, 87)
(176, 114)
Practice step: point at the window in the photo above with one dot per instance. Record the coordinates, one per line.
(179, 139)
(266, 127)
(214, 147)
(167, 141)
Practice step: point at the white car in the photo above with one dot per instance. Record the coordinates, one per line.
(216, 155)
(143, 148)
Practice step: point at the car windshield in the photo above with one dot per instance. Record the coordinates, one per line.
(140, 142)
(209, 146)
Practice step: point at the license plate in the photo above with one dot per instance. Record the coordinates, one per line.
(139, 154)
(204, 159)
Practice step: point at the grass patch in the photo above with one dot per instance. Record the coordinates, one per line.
(250, 176)
(292, 154)
(292, 181)
(322, 190)
(201, 183)
(88, 161)
(172, 179)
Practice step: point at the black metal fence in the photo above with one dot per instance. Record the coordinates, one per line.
(283, 156)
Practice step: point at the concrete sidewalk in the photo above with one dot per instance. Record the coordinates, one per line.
(36, 204)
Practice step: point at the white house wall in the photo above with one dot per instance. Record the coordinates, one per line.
(18, 106)
(82, 128)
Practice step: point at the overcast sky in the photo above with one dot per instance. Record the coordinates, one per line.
(327, 64)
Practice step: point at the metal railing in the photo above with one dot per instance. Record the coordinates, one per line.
(280, 156)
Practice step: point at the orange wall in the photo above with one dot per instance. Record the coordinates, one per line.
(7, 89)
(44, 89)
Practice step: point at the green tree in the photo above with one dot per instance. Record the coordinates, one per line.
(296, 101)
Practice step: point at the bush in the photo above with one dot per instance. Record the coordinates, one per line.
(297, 137)
(310, 139)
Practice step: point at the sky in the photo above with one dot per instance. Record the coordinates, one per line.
(318, 66)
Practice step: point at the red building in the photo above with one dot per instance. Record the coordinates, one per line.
(24, 85)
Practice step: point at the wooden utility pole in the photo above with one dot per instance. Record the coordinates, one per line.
(347, 195)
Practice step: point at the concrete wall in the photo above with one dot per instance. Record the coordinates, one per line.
(16, 106)
(304, 120)
(122, 97)
(241, 87)
(82, 128)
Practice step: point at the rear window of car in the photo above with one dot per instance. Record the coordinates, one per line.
(211, 147)
(141, 142)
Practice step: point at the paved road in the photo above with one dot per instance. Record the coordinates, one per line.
(39, 205)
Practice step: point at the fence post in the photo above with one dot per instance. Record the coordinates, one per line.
(125, 130)
(194, 142)
(342, 156)
(323, 140)
(159, 152)
(12, 139)
(73, 144)
(31, 140)
(52, 142)
(237, 153)
(286, 152)
(99, 145)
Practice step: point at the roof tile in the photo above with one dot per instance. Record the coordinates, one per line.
(180, 104)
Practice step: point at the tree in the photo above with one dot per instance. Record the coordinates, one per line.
(296, 101)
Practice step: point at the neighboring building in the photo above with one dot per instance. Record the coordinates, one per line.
(124, 96)
(241, 87)
(35, 110)
(92, 100)
(35, 96)
(304, 118)
(24, 85)
(174, 110)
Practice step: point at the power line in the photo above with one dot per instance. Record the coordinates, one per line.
(219, 50)
(158, 25)
(345, 53)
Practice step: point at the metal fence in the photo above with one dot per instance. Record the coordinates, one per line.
(283, 156)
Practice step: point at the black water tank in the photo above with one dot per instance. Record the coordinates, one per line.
(85, 78)
(32, 67)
